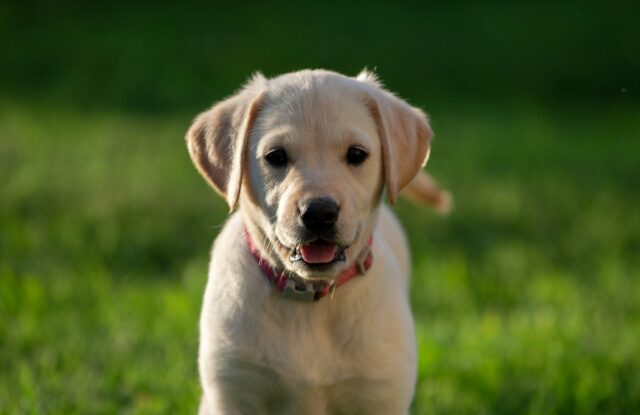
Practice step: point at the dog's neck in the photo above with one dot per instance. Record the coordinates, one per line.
(294, 287)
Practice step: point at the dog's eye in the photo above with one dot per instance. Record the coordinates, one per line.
(277, 157)
(356, 155)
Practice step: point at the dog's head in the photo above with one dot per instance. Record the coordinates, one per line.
(308, 156)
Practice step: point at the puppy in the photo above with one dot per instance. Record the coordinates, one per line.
(306, 308)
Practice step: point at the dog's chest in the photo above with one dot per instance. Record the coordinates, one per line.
(310, 343)
(318, 363)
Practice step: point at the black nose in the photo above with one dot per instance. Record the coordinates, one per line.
(319, 214)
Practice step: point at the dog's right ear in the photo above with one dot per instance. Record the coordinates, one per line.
(217, 139)
(404, 131)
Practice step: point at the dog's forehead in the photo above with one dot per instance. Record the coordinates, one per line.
(319, 106)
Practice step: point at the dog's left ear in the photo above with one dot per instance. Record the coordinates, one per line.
(404, 131)
(217, 139)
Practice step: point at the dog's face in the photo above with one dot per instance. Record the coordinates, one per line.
(308, 156)
(315, 173)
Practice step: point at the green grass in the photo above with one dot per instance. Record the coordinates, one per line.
(526, 298)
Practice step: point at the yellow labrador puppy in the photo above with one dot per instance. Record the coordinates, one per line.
(306, 308)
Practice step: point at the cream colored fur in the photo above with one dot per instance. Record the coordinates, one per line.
(354, 352)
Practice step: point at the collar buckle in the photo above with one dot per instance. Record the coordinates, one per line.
(360, 262)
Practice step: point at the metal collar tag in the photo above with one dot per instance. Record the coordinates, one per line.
(300, 291)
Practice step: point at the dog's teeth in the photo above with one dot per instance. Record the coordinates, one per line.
(296, 256)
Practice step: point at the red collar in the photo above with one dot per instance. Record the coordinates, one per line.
(293, 287)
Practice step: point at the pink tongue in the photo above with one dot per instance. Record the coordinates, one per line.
(318, 252)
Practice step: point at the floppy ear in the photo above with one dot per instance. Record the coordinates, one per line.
(404, 131)
(217, 141)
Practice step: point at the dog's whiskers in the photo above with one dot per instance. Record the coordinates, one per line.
(268, 246)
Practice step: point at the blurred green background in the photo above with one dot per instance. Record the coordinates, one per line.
(526, 298)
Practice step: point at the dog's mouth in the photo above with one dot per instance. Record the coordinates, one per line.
(319, 252)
